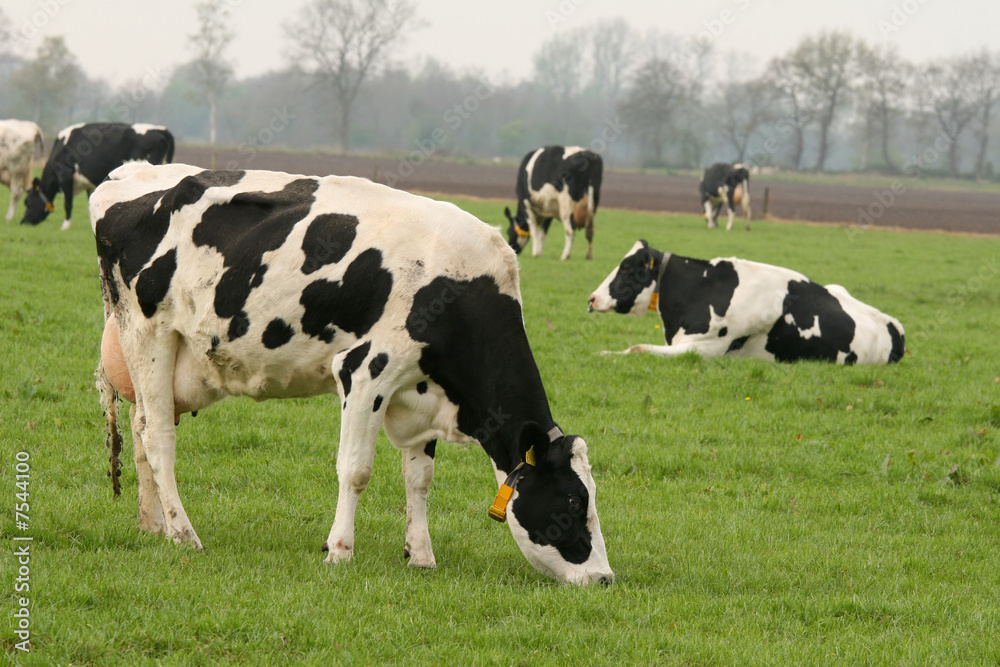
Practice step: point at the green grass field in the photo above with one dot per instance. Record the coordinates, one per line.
(754, 513)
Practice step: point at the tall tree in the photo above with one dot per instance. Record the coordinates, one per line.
(948, 92)
(49, 82)
(790, 89)
(210, 70)
(883, 77)
(559, 65)
(657, 92)
(984, 69)
(343, 42)
(825, 65)
(743, 108)
(614, 44)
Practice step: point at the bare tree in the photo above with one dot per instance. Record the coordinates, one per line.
(615, 52)
(657, 91)
(48, 83)
(825, 66)
(947, 91)
(984, 69)
(559, 64)
(883, 86)
(743, 108)
(210, 70)
(789, 88)
(345, 41)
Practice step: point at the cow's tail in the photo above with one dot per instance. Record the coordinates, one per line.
(110, 403)
(40, 142)
(594, 194)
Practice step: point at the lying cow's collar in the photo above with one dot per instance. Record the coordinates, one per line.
(654, 298)
(498, 510)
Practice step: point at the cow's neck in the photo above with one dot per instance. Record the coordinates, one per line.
(660, 260)
(50, 181)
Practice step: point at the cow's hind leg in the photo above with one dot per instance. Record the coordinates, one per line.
(418, 470)
(153, 377)
(150, 510)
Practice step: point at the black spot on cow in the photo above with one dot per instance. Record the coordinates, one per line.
(378, 403)
(277, 333)
(327, 240)
(421, 387)
(636, 272)
(354, 304)
(352, 362)
(238, 326)
(378, 364)
(153, 283)
(690, 290)
(898, 344)
(737, 344)
(215, 342)
(851, 359)
(128, 236)
(430, 448)
(242, 230)
(809, 303)
(723, 331)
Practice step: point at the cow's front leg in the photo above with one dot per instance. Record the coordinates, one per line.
(150, 511)
(536, 231)
(68, 200)
(729, 225)
(418, 470)
(15, 196)
(363, 413)
(568, 240)
(710, 214)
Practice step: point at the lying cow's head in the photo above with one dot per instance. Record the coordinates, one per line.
(553, 514)
(36, 205)
(630, 286)
(517, 233)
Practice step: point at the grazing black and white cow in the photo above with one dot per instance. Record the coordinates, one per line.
(83, 156)
(735, 306)
(727, 184)
(556, 182)
(18, 139)
(270, 285)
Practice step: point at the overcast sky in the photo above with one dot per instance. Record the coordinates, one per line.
(122, 40)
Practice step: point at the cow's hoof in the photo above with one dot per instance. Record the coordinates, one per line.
(187, 537)
(65, 225)
(339, 553)
(422, 562)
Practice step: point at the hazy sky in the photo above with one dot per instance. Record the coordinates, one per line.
(121, 40)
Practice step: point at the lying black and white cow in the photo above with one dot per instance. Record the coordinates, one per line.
(735, 306)
(727, 184)
(18, 140)
(84, 155)
(556, 182)
(271, 285)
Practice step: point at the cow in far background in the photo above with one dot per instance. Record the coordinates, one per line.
(556, 182)
(83, 156)
(727, 184)
(18, 139)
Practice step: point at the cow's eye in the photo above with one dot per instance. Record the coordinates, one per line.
(575, 505)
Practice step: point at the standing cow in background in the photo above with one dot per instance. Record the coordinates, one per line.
(727, 184)
(18, 139)
(748, 309)
(264, 284)
(83, 156)
(556, 182)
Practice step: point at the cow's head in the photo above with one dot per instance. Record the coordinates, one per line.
(552, 512)
(517, 233)
(630, 286)
(36, 205)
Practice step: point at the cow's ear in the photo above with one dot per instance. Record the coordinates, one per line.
(643, 242)
(36, 184)
(533, 443)
(506, 211)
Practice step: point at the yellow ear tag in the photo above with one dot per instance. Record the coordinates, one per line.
(49, 207)
(651, 262)
(653, 300)
(529, 456)
(498, 510)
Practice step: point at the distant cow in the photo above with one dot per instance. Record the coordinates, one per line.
(83, 156)
(264, 284)
(734, 306)
(556, 182)
(18, 139)
(727, 184)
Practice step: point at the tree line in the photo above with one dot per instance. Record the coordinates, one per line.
(643, 98)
